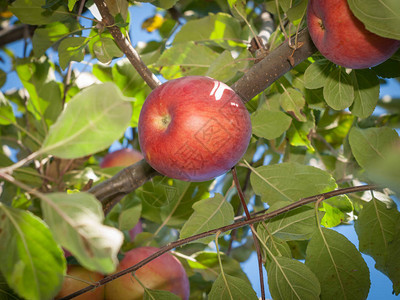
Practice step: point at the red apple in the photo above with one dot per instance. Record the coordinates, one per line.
(343, 39)
(193, 128)
(163, 273)
(71, 285)
(121, 158)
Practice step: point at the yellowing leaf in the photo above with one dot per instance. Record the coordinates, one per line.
(153, 23)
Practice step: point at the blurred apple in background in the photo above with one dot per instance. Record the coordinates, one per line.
(81, 275)
(163, 273)
(121, 158)
(343, 39)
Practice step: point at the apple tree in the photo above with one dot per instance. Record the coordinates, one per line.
(324, 147)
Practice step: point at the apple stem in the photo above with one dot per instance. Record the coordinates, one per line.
(256, 242)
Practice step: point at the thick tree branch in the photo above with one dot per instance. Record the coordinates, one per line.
(273, 66)
(236, 225)
(126, 47)
(110, 191)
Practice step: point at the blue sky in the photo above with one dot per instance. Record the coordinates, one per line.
(381, 287)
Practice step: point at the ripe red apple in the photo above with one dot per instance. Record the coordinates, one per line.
(163, 273)
(71, 285)
(343, 39)
(193, 128)
(121, 158)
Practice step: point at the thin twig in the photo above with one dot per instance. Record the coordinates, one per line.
(256, 242)
(126, 47)
(239, 224)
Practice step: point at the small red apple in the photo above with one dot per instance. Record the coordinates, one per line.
(164, 273)
(71, 285)
(121, 158)
(343, 39)
(193, 128)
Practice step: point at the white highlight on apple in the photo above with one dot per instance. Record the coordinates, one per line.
(218, 90)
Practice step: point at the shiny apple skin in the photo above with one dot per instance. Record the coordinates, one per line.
(193, 128)
(121, 158)
(163, 273)
(343, 39)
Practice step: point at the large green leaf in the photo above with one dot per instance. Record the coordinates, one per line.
(269, 124)
(376, 230)
(71, 49)
(216, 29)
(47, 36)
(340, 268)
(91, 121)
(369, 145)
(290, 182)
(105, 50)
(170, 200)
(366, 92)
(76, 221)
(392, 261)
(291, 279)
(380, 17)
(208, 214)
(292, 101)
(297, 224)
(230, 287)
(186, 59)
(32, 12)
(317, 73)
(338, 89)
(207, 264)
(30, 260)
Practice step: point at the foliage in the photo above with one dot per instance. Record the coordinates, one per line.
(318, 128)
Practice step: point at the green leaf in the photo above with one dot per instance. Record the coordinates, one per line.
(47, 36)
(366, 92)
(317, 73)
(369, 145)
(186, 59)
(208, 214)
(71, 49)
(91, 122)
(380, 17)
(299, 132)
(392, 261)
(76, 222)
(376, 227)
(291, 279)
(32, 12)
(290, 182)
(229, 287)
(342, 272)
(207, 264)
(269, 124)
(223, 68)
(159, 295)
(216, 29)
(165, 4)
(6, 112)
(338, 89)
(6, 293)
(376, 230)
(105, 50)
(130, 212)
(174, 204)
(292, 101)
(30, 260)
(296, 224)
